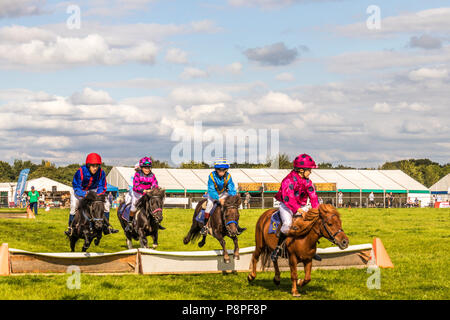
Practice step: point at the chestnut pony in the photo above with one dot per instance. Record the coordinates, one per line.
(327, 224)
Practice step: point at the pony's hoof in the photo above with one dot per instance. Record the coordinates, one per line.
(236, 257)
(276, 281)
(295, 294)
(185, 241)
(155, 246)
(250, 278)
(201, 244)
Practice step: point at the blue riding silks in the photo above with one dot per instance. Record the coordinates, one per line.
(275, 220)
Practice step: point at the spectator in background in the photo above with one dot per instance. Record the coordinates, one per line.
(42, 199)
(371, 200)
(340, 199)
(34, 198)
(416, 202)
(320, 200)
(247, 200)
(110, 198)
(387, 201)
(23, 200)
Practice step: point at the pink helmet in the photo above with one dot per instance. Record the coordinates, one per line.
(304, 161)
(145, 162)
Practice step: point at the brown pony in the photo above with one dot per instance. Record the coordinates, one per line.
(223, 222)
(327, 223)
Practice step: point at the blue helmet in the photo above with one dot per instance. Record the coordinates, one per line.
(221, 164)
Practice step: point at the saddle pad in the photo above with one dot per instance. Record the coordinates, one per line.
(275, 221)
(125, 211)
(201, 216)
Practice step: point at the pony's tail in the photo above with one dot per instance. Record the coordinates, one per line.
(266, 261)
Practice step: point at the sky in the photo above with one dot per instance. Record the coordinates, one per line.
(337, 79)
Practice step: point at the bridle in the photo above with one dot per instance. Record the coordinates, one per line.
(227, 224)
(159, 209)
(331, 238)
(89, 218)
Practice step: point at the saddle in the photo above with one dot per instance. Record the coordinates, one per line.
(124, 211)
(307, 221)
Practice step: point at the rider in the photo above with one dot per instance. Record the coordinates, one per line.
(88, 177)
(144, 180)
(220, 186)
(293, 195)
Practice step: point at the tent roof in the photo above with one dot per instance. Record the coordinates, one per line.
(47, 184)
(196, 179)
(442, 185)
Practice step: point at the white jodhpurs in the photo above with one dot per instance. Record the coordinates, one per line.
(210, 202)
(286, 216)
(74, 199)
(134, 199)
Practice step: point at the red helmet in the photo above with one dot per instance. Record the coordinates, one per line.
(93, 158)
(304, 161)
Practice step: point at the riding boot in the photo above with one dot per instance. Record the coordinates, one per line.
(160, 227)
(69, 230)
(204, 230)
(277, 251)
(129, 226)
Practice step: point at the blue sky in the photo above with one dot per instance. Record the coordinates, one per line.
(311, 69)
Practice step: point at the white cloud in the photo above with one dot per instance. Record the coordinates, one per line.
(19, 8)
(91, 97)
(192, 73)
(382, 107)
(428, 73)
(175, 55)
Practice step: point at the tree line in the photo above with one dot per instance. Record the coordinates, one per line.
(424, 171)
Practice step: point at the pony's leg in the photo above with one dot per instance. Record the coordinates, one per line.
(143, 239)
(293, 266)
(202, 242)
(129, 243)
(188, 237)
(87, 243)
(236, 249)
(155, 239)
(307, 279)
(73, 241)
(226, 257)
(255, 257)
(97, 240)
(277, 277)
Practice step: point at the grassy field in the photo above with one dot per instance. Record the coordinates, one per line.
(417, 241)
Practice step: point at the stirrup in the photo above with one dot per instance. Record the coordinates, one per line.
(204, 230)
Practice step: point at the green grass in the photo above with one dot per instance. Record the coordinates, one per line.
(417, 241)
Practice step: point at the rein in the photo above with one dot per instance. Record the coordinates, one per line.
(332, 238)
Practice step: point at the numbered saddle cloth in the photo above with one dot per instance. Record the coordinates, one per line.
(275, 221)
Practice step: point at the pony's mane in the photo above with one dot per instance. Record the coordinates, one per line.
(90, 197)
(328, 209)
(233, 201)
(156, 192)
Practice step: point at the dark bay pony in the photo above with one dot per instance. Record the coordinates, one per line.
(223, 222)
(327, 224)
(89, 221)
(147, 219)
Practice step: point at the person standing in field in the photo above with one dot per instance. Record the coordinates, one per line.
(34, 198)
(371, 200)
(340, 199)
